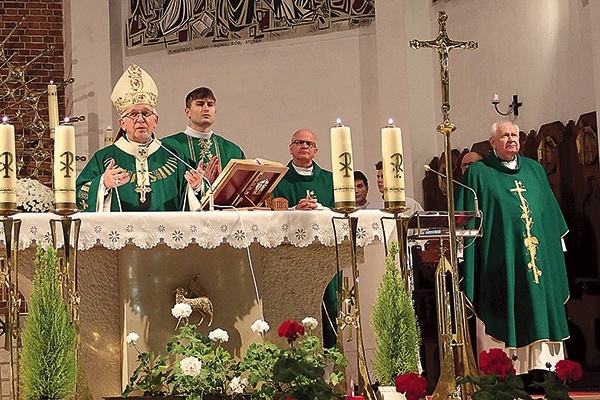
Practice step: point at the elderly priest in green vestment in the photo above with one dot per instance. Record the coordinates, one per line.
(136, 173)
(515, 274)
(305, 186)
(198, 143)
(308, 187)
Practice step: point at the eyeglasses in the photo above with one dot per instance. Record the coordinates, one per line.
(310, 144)
(134, 115)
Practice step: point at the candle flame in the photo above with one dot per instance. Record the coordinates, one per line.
(109, 129)
(51, 82)
(339, 121)
(4, 119)
(66, 120)
(391, 121)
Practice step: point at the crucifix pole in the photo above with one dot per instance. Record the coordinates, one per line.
(456, 354)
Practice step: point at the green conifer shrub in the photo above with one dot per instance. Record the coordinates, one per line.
(397, 333)
(48, 365)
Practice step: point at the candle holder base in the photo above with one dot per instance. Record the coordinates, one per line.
(394, 206)
(345, 207)
(65, 209)
(7, 211)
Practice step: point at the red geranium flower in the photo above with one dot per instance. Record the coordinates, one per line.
(291, 330)
(414, 386)
(495, 361)
(567, 369)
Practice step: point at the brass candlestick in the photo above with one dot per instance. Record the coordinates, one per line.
(401, 225)
(349, 315)
(68, 264)
(9, 273)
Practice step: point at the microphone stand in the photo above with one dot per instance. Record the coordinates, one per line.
(427, 168)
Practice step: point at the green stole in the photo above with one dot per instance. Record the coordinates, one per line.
(194, 149)
(515, 274)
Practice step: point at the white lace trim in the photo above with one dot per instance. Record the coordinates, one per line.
(206, 229)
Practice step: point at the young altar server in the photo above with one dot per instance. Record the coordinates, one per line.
(198, 143)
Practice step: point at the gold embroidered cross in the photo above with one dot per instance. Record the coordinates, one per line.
(142, 190)
(531, 242)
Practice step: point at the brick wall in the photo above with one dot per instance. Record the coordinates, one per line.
(42, 28)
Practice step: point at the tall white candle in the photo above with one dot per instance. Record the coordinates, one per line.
(64, 166)
(393, 166)
(109, 137)
(52, 107)
(8, 168)
(342, 165)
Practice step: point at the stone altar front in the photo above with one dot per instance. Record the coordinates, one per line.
(130, 263)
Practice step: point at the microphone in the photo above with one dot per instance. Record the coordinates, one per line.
(211, 200)
(476, 200)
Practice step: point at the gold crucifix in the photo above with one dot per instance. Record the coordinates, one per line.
(443, 44)
(456, 354)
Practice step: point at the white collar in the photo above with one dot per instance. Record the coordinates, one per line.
(512, 164)
(197, 134)
(308, 171)
(133, 148)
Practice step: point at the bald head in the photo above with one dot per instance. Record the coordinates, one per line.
(469, 159)
(303, 147)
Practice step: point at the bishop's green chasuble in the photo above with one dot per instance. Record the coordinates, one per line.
(515, 274)
(155, 176)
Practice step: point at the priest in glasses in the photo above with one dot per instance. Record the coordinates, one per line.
(136, 173)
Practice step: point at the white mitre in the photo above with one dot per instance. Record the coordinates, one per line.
(135, 86)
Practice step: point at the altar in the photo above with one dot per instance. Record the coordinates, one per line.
(129, 265)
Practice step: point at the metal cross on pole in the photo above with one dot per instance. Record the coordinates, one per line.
(456, 353)
(443, 45)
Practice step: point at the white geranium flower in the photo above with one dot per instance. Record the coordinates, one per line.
(260, 326)
(181, 310)
(238, 385)
(310, 323)
(132, 337)
(218, 335)
(190, 366)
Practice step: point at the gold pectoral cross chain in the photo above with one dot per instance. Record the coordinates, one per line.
(531, 242)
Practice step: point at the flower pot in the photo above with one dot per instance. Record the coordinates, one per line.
(389, 393)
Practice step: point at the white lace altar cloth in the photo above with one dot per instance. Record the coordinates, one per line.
(208, 230)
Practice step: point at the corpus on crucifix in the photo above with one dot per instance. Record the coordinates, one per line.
(443, 44)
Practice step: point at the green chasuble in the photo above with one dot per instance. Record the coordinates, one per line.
(164, 177)
(515, 274)
(294, 186)
(194, 150)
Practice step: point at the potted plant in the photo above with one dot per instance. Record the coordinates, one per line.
(48, 365)
(397, 333)
(195, 364)
(296, 372)
(202, 367)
